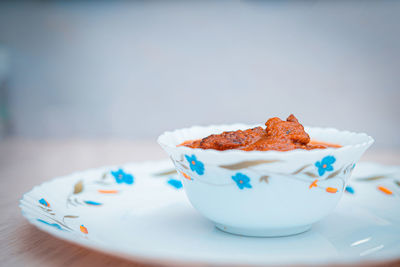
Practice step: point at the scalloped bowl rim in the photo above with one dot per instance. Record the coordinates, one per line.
(164, 143)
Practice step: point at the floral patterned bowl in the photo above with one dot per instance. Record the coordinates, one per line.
(265, 193)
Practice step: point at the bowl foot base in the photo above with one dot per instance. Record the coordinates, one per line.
(263, 232)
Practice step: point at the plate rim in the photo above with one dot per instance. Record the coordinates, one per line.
(161, 259)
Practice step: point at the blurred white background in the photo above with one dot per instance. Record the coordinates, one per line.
(134, 69)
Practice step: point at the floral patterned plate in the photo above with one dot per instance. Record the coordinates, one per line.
(139, 211)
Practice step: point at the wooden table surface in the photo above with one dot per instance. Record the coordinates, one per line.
(26, 163)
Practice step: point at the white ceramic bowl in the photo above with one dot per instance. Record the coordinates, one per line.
(265, 193)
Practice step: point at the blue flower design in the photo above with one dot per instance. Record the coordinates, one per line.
(44, 202)
(93, 203)
(325, 165)
(175, 183)
(241, 180)
(195, 165)
(50, 224)
(122, 177)
(349, 189)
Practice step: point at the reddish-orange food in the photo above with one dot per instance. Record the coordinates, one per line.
(278, 135)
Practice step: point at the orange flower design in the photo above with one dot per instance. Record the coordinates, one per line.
(83, 229)
(331, 190)
(107, 191)
(313, 184)
(385, 190)
(186, 176)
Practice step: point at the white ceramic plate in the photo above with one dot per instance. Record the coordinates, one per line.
(142, 213)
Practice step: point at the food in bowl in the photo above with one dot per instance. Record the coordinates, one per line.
(278, 135)
(275, 192)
